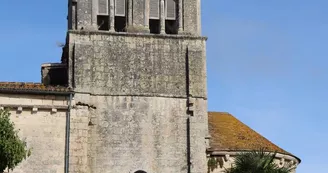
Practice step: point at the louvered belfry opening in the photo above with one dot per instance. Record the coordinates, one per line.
(171, 22)
(103, 15)
(119, 18)
(161, 16)
(170, 16)
(120, 15)
(154, 16)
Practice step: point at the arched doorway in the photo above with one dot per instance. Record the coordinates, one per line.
(140, 172)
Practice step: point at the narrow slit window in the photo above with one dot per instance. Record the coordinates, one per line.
(72, 16)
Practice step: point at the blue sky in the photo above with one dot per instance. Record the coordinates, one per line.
(266, 63)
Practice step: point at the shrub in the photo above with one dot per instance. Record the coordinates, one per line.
(13, 150)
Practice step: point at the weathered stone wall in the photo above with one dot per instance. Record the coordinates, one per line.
(129, 133)
(50, 101)
(138, 16)
(134, 91)
(79, 133)
(42, 128)
(125, 64)
(84, 14)
(192, 17)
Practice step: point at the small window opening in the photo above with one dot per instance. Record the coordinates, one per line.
(54, 75)
(171, 27)
(103, 23)
(120, 24)
(154, 26)
(58, 76)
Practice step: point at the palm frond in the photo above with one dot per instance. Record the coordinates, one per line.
(257, 162)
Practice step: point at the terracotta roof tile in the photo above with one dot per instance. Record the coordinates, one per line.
(25, 86)
(229, 134)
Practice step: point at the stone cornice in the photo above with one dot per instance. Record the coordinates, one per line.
(53, 108)
(167, 36)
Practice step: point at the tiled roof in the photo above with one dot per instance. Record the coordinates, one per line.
(30, 87)
(229, 134)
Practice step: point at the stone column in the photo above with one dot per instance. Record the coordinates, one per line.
(146, 17)
(94, 14)
(162, 17)
(130, 15)
(180, 17)
(111, 16)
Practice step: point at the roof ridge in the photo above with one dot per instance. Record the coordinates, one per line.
(219, 112)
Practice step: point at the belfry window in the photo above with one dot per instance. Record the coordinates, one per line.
(117, 18)
(170, 16)
(171, 24)
(120, 15)
(154, 16)
(103, 15)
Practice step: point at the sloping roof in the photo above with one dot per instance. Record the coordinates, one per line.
(31, 87)
(229, 134)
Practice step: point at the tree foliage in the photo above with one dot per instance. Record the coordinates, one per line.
(13, 150)
(257, 162)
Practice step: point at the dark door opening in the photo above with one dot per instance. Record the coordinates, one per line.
(140, 172)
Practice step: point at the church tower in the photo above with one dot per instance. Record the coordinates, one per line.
(138, 71)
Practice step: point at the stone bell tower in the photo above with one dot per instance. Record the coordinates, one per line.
(138, 70)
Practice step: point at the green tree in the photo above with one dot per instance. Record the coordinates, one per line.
(13, 150)
(257, 162)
